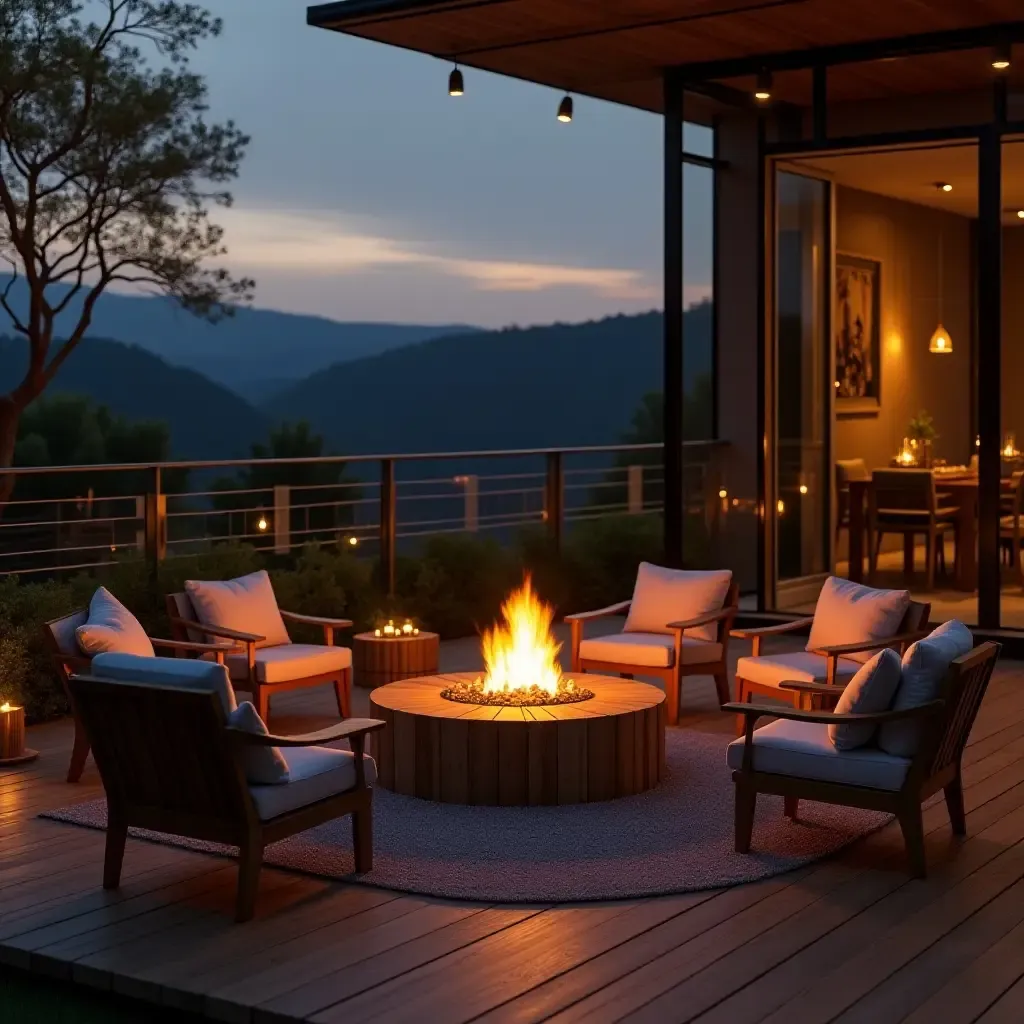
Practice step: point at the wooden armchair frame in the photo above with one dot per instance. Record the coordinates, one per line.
(672, 676)
(913, 627)
(68, 664)
(184, 623)
(170, 763)
(946, 725)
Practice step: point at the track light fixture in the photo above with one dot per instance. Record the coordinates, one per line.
(763, 89)
(565, 109)
(1001, 55)
(456, 87)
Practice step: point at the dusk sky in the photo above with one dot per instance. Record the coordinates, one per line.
(370, 194)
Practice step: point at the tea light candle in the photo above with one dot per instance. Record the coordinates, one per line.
(12, 736)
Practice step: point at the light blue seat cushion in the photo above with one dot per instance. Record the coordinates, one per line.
(805, 751)
(314, 773)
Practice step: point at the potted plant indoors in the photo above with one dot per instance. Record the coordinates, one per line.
(922, 434)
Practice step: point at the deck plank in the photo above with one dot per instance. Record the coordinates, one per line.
(850, 938)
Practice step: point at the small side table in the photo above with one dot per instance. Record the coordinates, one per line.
(378, 660)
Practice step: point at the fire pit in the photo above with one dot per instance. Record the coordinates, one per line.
(521, 733)
(521, 660)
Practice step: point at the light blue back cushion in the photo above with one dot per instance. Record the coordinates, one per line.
(925, 666)
(187, 673)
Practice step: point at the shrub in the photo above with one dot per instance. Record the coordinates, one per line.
(327, 581)
(460, 582)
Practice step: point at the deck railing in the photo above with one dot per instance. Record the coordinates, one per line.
(71, 518)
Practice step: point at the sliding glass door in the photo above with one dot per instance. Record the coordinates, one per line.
(799, 498)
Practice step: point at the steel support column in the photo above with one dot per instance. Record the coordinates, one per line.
(673, 340)
(990, 340)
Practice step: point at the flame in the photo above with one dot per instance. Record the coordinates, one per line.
(519, 652)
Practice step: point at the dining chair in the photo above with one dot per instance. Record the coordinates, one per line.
(905, 501)
(1010, 522)
(846, 471)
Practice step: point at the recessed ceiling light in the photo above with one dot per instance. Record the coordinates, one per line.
(763, 88)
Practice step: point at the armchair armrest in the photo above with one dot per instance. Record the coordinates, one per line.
(316, 620)
(327, 624)
(755, 636)
(829, 689)
(230, 634)
(187, 645)
(352, 727)
(779, 630)
(839, 650)
(755, 711)
(600, 613)
(705, 619)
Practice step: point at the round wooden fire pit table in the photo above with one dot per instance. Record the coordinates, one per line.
(609, 746)
(377, 660)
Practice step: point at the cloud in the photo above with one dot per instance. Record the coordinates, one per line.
(282, 240)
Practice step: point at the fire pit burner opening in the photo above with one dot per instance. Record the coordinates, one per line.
(521, 659)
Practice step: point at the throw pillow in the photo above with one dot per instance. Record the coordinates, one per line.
(665, 595)
(247, 604)
(870, 690)
(849, 613)
(111, 628)
(265, 766)
(924, 670)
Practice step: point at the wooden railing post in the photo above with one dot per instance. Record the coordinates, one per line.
(156, 526)
(554, 496)
(283, 519)
(635, 489)
(388, 524)
(472, 503)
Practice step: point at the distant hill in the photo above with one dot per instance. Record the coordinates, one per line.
(560, 385)
(206, 421)
(255, 353)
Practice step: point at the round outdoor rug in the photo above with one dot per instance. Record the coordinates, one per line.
(676, 838)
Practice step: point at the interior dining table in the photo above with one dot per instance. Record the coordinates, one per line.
(961, 487)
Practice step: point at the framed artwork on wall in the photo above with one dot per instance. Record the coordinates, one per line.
(857, 334)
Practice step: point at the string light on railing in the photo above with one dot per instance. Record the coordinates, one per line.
(353, 541)
(803, 488)
(262, 524)
(723, 493)
(780, 506)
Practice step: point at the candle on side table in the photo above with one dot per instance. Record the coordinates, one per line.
(12, 736)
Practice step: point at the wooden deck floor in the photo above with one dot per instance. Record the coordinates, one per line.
(847, 939)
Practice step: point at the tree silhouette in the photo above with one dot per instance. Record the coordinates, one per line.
(107, 168)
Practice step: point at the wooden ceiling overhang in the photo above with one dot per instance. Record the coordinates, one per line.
(619, 50)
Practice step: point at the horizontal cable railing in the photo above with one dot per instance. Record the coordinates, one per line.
(72, 518)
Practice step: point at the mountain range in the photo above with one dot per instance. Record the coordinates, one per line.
(254, 352)
(561, 385)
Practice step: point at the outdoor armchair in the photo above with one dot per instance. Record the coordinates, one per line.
(68, 658)
(677, 625)
(793, 757)
(176, 755)
(845, 608)
(265, 662)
